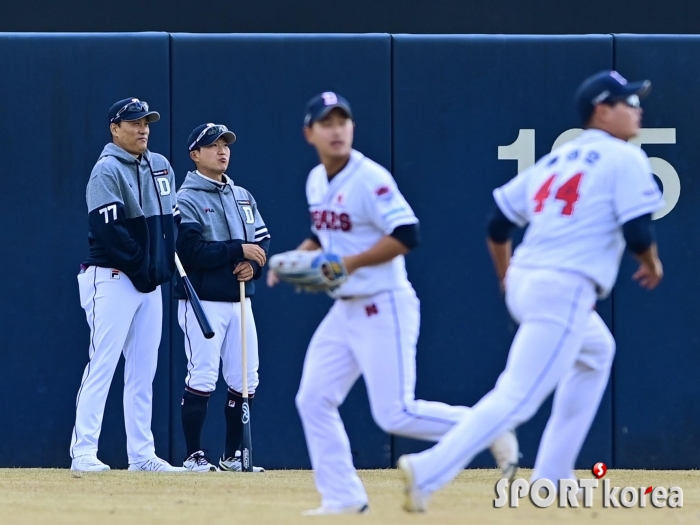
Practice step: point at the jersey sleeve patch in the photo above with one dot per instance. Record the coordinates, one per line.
(384, 193)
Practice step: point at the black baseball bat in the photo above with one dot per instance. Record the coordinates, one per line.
(194, 301)
(247, 440)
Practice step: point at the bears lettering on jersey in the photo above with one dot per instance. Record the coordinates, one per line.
(330, 220)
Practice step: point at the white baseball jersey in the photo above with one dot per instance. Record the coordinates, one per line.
(351, 213)
(576, 200)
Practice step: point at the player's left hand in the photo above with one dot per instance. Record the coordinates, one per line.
(244, 271)
(647, 277)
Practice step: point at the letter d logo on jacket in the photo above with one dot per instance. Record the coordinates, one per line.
(164, 185)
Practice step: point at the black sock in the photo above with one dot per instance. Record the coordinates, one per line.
(234, 425)
(194, 410)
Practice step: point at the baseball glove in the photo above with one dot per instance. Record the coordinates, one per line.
(310, 271)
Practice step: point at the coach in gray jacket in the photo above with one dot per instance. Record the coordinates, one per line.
(222, 240)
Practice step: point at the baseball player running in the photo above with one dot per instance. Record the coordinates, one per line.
(222, 240)
(358, 212)
(132, 250)
(582, 202)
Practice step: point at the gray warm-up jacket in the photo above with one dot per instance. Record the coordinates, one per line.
(213, 221)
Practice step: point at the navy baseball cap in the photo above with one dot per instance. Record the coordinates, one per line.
(131, 109)
(321, 105)
(606, 87)
(208, 134)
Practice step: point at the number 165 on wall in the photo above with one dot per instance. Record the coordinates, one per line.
(523, 150)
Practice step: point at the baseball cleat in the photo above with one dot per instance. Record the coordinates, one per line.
(88, 463)
(198, 462)
(415, 500)
(155, 464)
(506, 452)
(363, 508)
(234, 464)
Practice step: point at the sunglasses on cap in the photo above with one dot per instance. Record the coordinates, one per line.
(136, 106)
(632, 101)
(213, 129)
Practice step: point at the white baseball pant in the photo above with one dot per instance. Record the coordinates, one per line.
(374, 337)
(561, 343)
(204, 355)
(121, 320)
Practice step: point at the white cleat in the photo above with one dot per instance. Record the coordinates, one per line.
(234, 464)
(506, 452)
(329, 511)
(88, 463)
(198, 462)
(155, 465)
(415, 500)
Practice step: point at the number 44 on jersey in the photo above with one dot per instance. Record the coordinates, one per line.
(523, 150)
(567, 192)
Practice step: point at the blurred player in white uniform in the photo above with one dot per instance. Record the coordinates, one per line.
(372, 329)
(583, 202)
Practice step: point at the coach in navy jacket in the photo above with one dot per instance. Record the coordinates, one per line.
(130, 197)
(130, 216)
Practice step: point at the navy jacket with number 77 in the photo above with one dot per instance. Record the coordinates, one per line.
(130, 204)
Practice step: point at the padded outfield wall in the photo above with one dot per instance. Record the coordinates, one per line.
(451, 116)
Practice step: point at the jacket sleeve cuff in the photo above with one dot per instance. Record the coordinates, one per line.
(257, 269)
(235, 250)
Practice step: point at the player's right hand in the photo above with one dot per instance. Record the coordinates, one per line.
(649, 277)
(255, 253)
(244, 271)
(272, 278)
